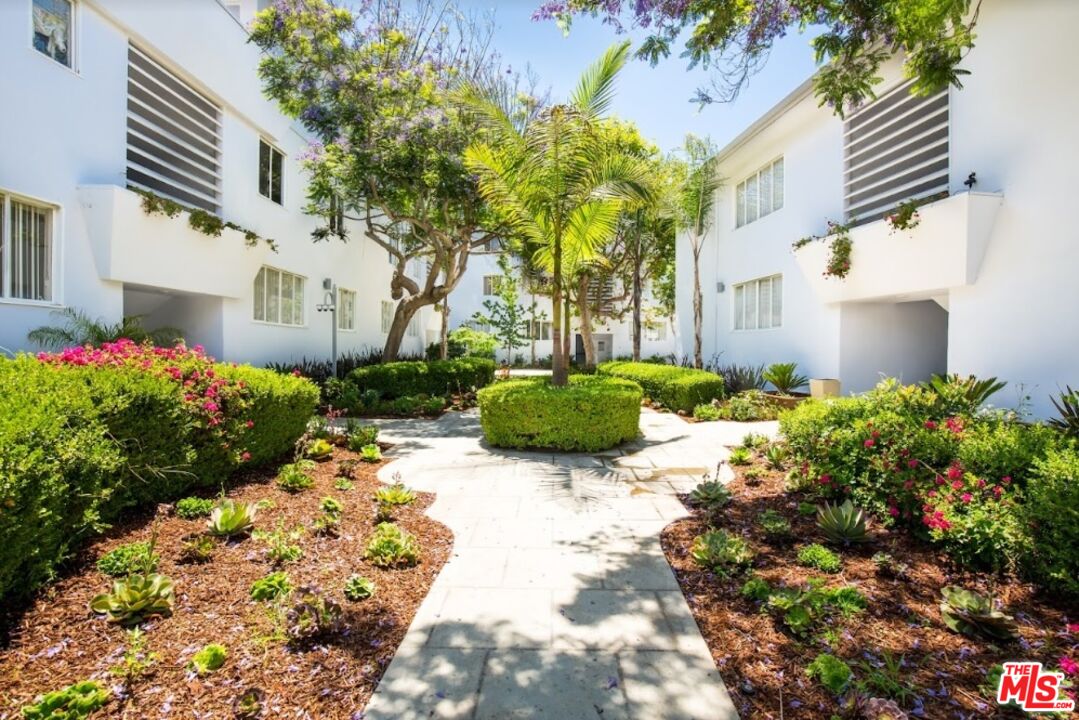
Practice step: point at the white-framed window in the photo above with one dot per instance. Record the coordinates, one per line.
(346, 309)
(271, 172)
(655, 331)
(490, 284)
(279, 297)
(27, 237)
(541, 330)
(414, 326)
(54, 30)
(758, 304)
(759, 194)
(387, 315)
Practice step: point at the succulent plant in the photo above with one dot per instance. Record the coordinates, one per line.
(293, 477)
(757, 589)
(271, 587)
(969, 613)
(774, 524)
(135, 598)
(370, 453)
(197, 548)
(346, 467)
(248, 706)
(751, 440)
(319, 449)
(396, 494)
(721, 552)
(888, 566)
(357, 587)
(343, 484)
(842, 524)
(777, 456)
(740, 456)
(710, 495)
(209, 659)
(390, 546)
(231, 518)
(312, 616)
(127, 559)
(362, 435)
(72, 703)
(190, 508)
(882, 709)
(831, 672)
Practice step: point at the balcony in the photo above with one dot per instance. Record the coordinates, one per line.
(156, 251)
(944, 251)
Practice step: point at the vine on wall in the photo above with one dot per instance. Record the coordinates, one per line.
(838, 265)
(201, 221)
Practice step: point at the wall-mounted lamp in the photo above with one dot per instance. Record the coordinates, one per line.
(720, 287)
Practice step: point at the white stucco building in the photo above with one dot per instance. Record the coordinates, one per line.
(613, 336)
(104, 95)
(987, 281)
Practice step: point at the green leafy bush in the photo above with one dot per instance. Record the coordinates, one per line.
(748, 406)
(721, 552)
(357, 588)
(819, 557)
(74, 702)
(293, 477)
(591, 413)
(706, 412)
(1051, 512)
(209, 659)
(432, 378)
(281, 547)
(361, 435)
(831, 672)
(271, 587)
(128, 559)
(676, 388)
(190, 508)
(391, 546)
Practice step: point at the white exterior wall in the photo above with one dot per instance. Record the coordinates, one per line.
(1012, 123)
(467, 299)
(63, 138)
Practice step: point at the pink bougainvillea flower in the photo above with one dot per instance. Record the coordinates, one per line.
(1069, 666)
(940, 479)
(1072, 628)
(825, 479)
(908, 485)
(930, 425)
(296, 372)
(981, 482)
(955, 472)
(249, 424)
(893, 511)
(957, 485)
(998, 490)
(966, 497)
(870, 443)
(1007, 480)
(912, 464)
(210, 406)
(932, 493)
(875, 433)
(245, 457)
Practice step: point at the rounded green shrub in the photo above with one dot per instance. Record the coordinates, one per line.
(591, 413)
(434, 377)
(676, 388)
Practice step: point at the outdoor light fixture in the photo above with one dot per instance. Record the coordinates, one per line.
(329, 304)
(720, 287)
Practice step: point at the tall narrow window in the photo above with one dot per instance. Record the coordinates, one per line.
(758, 304)
(26, 250)
(346, 309)
(279, 297)
(760, 194)
(387, 316)
(53, 29)
(490, 284)
(271, 164)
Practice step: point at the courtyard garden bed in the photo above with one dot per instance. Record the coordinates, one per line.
(945, 506)
(276, 662)
(589, 414)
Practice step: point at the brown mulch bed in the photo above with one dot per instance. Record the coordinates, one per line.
(58, 641)
(763, 665)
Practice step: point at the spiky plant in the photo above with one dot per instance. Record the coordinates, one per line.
(1067, 406)
(969, 613)
(843, 524)
(777, 456)
(784, 377)
(135, 598)
(710, 495)
(958, 394)
(741, 456)
(77, 328)
(231, 518)
(396, 494)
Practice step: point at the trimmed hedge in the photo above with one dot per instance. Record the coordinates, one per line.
(590, 414)
(676, 388)
(82, 437)
(433, 377)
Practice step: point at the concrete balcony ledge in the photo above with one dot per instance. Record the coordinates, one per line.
(944, 251)
(156, 251)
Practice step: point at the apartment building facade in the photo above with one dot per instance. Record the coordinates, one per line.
(106, 97)
(985, 283)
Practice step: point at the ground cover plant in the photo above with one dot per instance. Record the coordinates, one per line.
(236, 631)
(899, 627)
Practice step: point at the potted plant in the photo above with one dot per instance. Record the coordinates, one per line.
(786, 380)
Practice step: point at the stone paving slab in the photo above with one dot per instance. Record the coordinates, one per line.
(557, 601)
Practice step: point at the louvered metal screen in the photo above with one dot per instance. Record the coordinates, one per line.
(173, 136)
(895, 149)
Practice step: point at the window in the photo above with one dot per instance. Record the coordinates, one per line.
(387, 315)
(271, 162)
(279, 297)
(758, 304)
(337, 215)
(541, 330)
(26, 253)
(655, 331)
(895, 149)
(53, 29)
(346, 309)
(490, 284)
(759, 194)
(173, 136)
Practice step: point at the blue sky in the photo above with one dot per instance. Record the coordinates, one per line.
(657, 99)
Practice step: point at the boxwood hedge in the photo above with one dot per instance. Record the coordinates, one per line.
(676, 388)
(591, 413)
(433, 377)
(81, 440)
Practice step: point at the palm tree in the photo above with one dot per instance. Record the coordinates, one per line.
(698, 196)
(553, 180)
(78, 329)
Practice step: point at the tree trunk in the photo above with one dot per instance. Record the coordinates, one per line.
(444, 333)
(637, 303)
(568, 346)
(698, 359)
(532, 329)
(401, 318)
(586, 322)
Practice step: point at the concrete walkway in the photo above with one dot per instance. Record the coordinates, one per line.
(557, 601)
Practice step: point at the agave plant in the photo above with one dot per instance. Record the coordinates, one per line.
(135, 598)
(231, 518)
(777, 456)
(842, 524)
(710, 495)
(969, 613)
(739, 378)
(963, 394)
(1068, 408)
(784, 377)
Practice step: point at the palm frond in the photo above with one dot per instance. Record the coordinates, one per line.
(595, 90)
